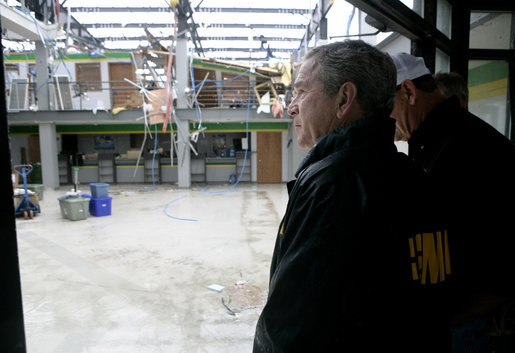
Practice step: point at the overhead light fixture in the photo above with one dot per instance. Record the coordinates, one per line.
(381, 27)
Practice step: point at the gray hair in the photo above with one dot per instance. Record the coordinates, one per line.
(372, 71)
(452, 83)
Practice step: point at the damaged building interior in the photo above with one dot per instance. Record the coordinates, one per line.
(147, 146)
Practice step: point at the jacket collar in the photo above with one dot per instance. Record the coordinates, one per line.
(433, 135)
(436, 122)
(360, 134)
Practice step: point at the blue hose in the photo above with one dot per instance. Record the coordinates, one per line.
(177, 218)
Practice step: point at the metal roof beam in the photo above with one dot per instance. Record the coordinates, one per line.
(128, 25)
(223, 38)
(253, 10)
(228, 50)
(212, 25)
(254, 50)
(83, 9)
(255, 25)
(267, 39)
(222, 58)
(198, 9)
(78, 32)
(186, 22)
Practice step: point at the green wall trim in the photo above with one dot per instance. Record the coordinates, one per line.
(23, 129)
(21, 57)
(490, 72)
(240, 126)
(102, 128)
(229, 165)
(31, 57)
(139, 128)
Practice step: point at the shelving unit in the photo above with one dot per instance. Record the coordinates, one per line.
(240, 158)
(64, 169)
(198, 170)
(156, 174)
(106, 168)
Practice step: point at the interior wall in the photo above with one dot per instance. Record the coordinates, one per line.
(205, 144)
(86, 144)
(16, 143)
(492, 34)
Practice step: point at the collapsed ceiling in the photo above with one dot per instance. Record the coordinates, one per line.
(241, 30)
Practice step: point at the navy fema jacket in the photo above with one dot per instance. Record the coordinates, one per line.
(339, 279)
(471, 176)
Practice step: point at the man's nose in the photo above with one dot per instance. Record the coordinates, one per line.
(293, 109)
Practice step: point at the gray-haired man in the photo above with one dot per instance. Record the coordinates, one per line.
(338, 279)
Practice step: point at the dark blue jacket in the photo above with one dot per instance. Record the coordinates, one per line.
(340, 268)
(471, 175)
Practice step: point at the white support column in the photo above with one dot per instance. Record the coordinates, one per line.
(49, 162)
(218, 78)
(42, 77)
(182, 71)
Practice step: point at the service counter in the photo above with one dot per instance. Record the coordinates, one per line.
(219, 169)
(125, 171)
(169, 171)
(88, 171)
(203, 170)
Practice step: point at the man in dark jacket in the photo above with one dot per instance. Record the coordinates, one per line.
(471, 172)
(340, 265)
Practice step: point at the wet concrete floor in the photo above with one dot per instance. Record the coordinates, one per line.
(137, 280)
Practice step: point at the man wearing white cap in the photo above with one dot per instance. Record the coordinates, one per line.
(471, 168)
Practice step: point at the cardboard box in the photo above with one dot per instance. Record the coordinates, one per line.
(33, 198)
(132, 154)
(14, 178)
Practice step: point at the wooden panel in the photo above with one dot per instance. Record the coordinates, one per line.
(269, 157)
(88, 76)
(34, 149)
(208, 96)
(235, 90)
(124, 94)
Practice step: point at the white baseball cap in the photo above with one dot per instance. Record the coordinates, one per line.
(409, 67)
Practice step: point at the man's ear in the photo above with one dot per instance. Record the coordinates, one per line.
(347, 97)
(409, 91)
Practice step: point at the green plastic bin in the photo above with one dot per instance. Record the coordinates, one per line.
(36, 177)
(74, 208)
(37, 188)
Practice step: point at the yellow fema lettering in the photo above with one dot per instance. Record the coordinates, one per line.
(429, 254)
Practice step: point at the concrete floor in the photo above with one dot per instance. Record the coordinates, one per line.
(136, 281)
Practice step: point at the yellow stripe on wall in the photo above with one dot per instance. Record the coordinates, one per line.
(488, 90)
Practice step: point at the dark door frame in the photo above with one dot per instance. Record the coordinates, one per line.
(12, 330)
